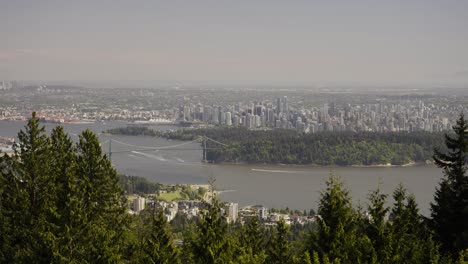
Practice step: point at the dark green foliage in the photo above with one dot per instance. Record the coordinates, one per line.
(376, 228)
(343, 235)
(209, 243)
(450, 208)
(293, 147)
(12, 205)
(253, 236)
(133, 131)
(181, 223)
(28, 199)
(411, 241)
(158, 244)
(279, 246)
(60, 202)
(306, 259)
(335, 236)
(249, 242)
(101, 199)
(138, 185)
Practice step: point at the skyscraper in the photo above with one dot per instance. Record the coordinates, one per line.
(278, 106)
(228, 118)
(285, 105)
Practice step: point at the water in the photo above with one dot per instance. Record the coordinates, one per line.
(276, 186)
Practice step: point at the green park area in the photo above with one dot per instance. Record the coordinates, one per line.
(171, 196)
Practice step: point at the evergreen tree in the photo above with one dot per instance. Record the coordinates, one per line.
(63, 167)
(210, 243)
(29, 198)
(450, 208)
(252, 235)
(250, 248)
(101, 200)
(158, 244)
(336, 236)
(376, 226)
(410, 241)
(278, 245)
(11, 208)
(306, 258)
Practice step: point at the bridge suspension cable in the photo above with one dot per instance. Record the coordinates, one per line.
(144, 147)
(203, 139)
(217, 142)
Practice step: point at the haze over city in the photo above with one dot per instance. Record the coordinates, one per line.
(236, 42)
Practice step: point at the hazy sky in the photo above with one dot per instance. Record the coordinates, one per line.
(235, 41)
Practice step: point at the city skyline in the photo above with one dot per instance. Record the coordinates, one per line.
(254, 42)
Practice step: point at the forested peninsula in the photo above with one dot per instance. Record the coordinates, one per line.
(283, 146)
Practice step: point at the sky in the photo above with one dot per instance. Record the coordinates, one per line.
(243, 41)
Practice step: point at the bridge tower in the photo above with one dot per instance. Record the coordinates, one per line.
(204, 149)
(110, 149)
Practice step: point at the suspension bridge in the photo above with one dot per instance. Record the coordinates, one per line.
(201, 139)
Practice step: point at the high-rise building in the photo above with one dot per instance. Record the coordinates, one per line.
(278, 106)
(258, 110)
(232, 211)
(215, 115)
(237, 107)
(138, 204)
(258, 121)
(236, 120)
(247, 120)
(206, 113)
(285, 105)
(180, 105)
(222, 118)
(253, 120)
(228, 119)
(271, 117)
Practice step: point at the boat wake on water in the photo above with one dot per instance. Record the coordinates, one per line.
(160, 158)
(179, 159)
(278, 171)
(176, 160)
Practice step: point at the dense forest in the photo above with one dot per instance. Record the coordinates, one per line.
(133, 131)
(293, 147)
(138, 185)
(60, 202)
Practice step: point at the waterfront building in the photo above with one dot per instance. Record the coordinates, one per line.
(232, 212)
(138, 204)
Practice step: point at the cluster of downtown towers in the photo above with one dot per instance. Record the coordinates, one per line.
(382, 116)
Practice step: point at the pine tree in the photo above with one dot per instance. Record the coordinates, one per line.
(69, 210)
(335, 238)
(59, 203)
(411, 241)
(11, 208)
(376, 226)
(278, 245)
(450, 208)
(30, 197)
(306, 258)
(253, 236)
(100, 198)
(250, 247)
(158, 244)
(210, 243)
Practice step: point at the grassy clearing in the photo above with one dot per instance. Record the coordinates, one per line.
(171, 196)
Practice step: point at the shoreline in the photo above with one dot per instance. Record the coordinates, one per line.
(410, 164)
